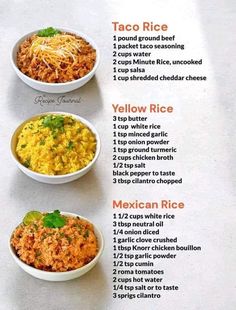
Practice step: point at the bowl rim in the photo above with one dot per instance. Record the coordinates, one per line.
(15, 47)
(58, 273)
(83, 120)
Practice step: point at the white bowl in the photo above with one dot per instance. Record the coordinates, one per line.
(55, 87)
(66, 275)
(54, 179)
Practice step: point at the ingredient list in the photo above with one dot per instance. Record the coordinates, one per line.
(143, 48)
(137, 143)
(141, 243)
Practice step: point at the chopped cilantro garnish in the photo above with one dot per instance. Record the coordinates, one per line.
(38, 253)
(44, 236)
(86, 235)
(70, 145)
(35, 226)
(53, 121)
(71, 122)
(50, 234)
(69, 239)
(54, 134)
(23, 146)
(79, 227)
(27, 163)
(48, 32)
(42, 142)
(54, 220)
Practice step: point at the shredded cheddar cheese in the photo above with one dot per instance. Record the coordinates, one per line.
(57, 50)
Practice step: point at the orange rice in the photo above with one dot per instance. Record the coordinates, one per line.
(56, 249)
(70, 70)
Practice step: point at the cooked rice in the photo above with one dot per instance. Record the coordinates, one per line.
(56, 249)
(71, 67)
(56, 152)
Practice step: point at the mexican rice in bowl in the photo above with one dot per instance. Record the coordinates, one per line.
(56, 246)
(55, 147)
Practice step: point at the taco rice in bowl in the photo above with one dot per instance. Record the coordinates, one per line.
(56, 246)
(55, 147)
(55, 60)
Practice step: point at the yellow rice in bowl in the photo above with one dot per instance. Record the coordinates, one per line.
(55, 144)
